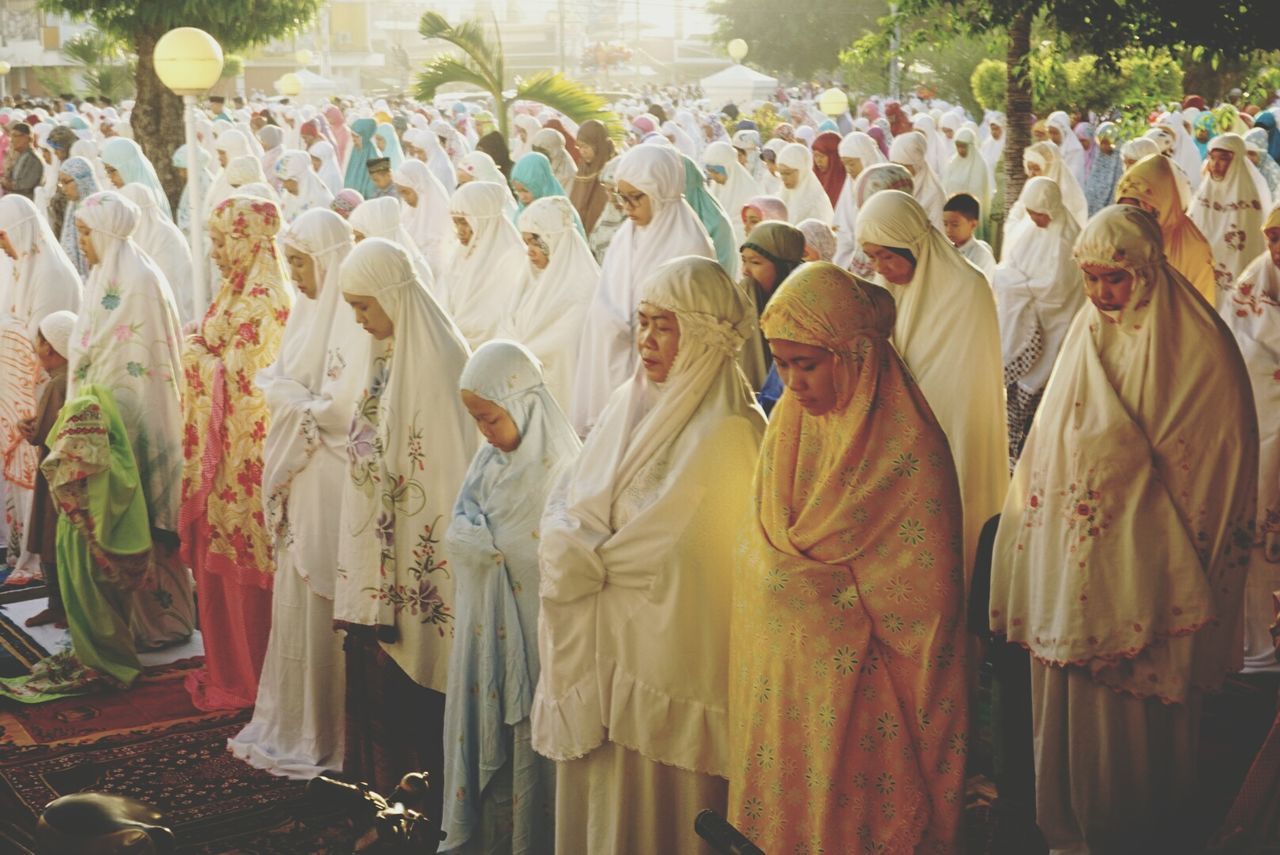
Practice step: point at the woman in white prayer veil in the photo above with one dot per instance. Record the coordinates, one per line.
(1251, 309)
(524, 127)
(1230, 205)
(1136, 150)
(637, 557)
(160, 239)
(660, 225)
(311, 392)
(1044, 158)
(802, 192)
(550, 306)
(910, 151)
(485, 273)
(438, 160)
(300, 188)
(88, 149)
(551, 143)
(948, 335)
(323, 152)
(1059, 126)
(731, 184)
(272, 139)
(993, 146)
(968, 173)
(1038, 292)
(126, 338)
(858, 153)
(935, 151)
(380, 218)
(230, 145)
(1185, 153)
(43, 281)
(425, 215)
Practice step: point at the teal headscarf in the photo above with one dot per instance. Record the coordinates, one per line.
(357, 177)
(533, 172)
(712, 215)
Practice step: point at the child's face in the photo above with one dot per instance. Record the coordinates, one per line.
(49, 358)
(958, 227)
(381, 179)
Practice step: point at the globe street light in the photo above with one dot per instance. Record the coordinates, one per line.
(833, 102)
(737, 50)
(304, 57)
(189, 62)
(289, 85)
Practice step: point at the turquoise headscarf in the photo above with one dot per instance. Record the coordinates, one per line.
(533, 172)
(357, 177)
(125, 157)
(712, 215)
(393, 149)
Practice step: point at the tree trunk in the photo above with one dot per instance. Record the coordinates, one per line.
(1017, 104)
(157, 118)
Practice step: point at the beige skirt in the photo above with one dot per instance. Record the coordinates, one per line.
(615, 801)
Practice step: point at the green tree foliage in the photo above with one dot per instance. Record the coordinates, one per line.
(482, 64)
(157, 119)
(1140, 78)
(800, 38)
(990, 84)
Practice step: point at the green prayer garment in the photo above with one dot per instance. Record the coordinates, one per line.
(104, 550)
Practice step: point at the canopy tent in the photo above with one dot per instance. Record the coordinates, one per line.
(739, 85)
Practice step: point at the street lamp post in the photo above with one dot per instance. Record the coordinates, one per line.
(189, 62)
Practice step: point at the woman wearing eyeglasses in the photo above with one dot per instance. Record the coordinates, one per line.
(660, 226)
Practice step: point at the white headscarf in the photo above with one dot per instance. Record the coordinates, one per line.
(1047, 156)
(1251, 309)
(1071, 149)
(380, 218)
(44, 279)
(606, 674)
(861, 146)
(1111, 476)
(407, 455)
(551, 143)
(550, 306)
(738, 188)
(329, 172)
(234, 144)
(295, 165)
(948, 335)
(127, 339)
(910, 150)
(809, 199)
(1038, 292)
(311, 392)
(607, 355)
(160, 239)
(485, 273)
(969, 174)
(428, 222)
(1229, 212)
(993, 148)
(935, 149)
(438, 160)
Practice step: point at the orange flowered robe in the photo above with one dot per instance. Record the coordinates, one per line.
(848, 701)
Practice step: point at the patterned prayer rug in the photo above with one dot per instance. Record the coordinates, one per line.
(18, 650)
(213, 802)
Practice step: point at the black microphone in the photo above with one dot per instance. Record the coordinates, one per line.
(722, 836)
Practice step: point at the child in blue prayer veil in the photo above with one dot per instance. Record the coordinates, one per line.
(499, 794)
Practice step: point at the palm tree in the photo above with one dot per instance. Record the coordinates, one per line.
(483, 65)
(104, 66)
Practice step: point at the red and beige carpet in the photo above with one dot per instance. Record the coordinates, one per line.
(150, 744)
